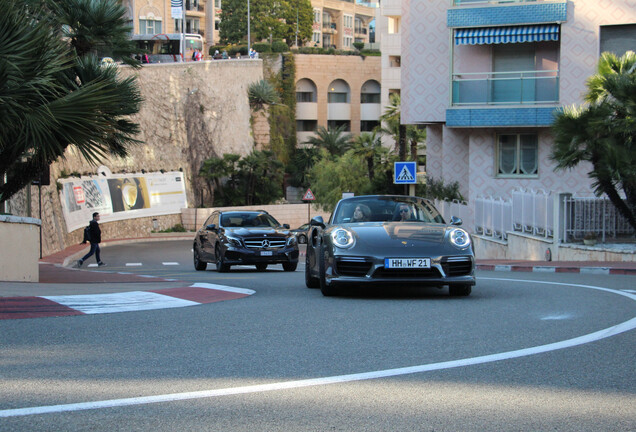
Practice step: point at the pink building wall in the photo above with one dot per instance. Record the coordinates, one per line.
(467, 155)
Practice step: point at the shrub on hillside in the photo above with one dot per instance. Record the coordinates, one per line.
(279, 47)
(262, 47)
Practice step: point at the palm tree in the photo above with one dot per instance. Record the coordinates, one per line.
(332, 140)
(260, 94)
(367, 145)
(394, 127)
(51, 98)
(604, 132)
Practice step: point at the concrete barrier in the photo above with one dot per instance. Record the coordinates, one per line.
(19, 249)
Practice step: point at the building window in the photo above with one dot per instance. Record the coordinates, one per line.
(347, 41)
(368, 125)
(305, 97)
(149, 26)
(316, 38)
(317, 15)
(348, 21)
(335, 97)
(334, 124)
(618, 38)
(517, 155)
(306, 125)
(395, 61)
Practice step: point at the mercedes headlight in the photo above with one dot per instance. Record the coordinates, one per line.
(459, 238)
(291, 240)
(233, 241)
(342, 238)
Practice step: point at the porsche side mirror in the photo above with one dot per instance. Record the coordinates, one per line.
(210, 227)
(454, 220)
(286, 226)
(317, 221)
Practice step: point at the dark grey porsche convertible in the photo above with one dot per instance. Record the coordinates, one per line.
(388, 240)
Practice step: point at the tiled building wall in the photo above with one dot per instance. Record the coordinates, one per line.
(426, 71)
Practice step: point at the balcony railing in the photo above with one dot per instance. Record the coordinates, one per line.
(329, 26)
(498, 88)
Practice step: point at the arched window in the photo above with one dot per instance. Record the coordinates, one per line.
(306, 91)
(370, 92)
(338, 92)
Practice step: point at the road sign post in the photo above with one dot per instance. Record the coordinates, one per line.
(309, 197)
(405, 173)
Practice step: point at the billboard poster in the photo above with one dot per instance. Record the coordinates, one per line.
(121, 196)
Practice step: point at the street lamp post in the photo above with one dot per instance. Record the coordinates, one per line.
(249, 49)
(296, 23)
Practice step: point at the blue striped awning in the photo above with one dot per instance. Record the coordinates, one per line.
(501, 35)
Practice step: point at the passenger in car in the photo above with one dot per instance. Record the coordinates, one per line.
(361, 213)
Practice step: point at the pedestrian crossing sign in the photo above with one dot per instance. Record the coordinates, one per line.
(405, 173)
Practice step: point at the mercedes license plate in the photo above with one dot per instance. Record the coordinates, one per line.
(266, 253)
(407, 263)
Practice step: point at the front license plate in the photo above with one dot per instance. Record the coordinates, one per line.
(401, 263)
(267, 253)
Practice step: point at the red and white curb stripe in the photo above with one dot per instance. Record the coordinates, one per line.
(556, 269)
(69, 305)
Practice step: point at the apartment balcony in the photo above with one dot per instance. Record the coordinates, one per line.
(329, 28)
(306, 110)
(506, 88)
(370, 111)
(338, 111)
(360, 31)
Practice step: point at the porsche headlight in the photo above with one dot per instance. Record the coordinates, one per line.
(291, 240)
(342, 238)
(233, 241)
(459, 238)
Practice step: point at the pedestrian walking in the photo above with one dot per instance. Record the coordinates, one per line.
(95, 238)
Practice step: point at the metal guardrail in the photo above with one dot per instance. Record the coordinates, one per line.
(597, 216)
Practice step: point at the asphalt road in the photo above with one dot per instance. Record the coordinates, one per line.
(525, 352)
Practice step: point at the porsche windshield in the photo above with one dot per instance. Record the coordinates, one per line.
(385, 209)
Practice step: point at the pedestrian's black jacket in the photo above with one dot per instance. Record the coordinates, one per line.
(96, 232)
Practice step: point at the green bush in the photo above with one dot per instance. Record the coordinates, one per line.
(233, 49)
(279, 47)
(262, 47)
(358, 45)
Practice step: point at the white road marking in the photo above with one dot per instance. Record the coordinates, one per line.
(133, 264)
(556, 317)
(170, 263)
(224, 288)
(120, 302)
(581, 340)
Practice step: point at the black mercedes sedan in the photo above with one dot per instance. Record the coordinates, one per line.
(230, 238)
(390, 241)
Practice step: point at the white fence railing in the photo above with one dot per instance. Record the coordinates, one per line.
(455, 208)
(537, 212)
(528, 211)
